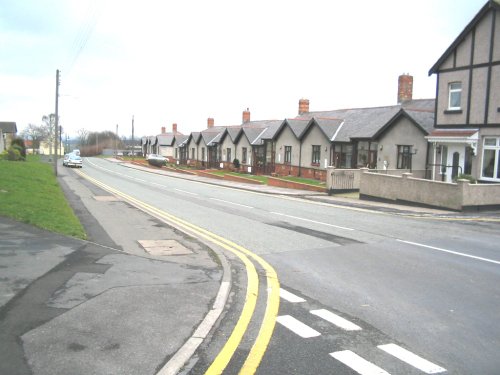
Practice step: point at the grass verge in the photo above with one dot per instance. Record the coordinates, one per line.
(260, 178)
(29, 192)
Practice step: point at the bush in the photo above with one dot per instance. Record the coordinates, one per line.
(471, 179)
(236, 163)
(18, 143)
(12, 154)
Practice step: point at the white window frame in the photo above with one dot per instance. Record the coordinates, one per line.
(452, 91)
(496, 166)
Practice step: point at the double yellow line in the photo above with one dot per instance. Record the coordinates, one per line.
(269, 320)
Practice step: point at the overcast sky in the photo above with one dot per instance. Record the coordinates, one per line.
(181, 62)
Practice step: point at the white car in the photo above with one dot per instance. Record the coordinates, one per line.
(74, 161)
(65, 160)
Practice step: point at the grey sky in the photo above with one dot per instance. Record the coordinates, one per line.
(184, 61)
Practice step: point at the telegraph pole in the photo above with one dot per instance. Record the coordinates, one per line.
(56, 122)
(133, 145)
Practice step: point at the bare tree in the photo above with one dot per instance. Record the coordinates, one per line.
(83, 136)
(35, 134)
(49, 123)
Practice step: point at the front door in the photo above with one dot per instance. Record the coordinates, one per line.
(455, 165)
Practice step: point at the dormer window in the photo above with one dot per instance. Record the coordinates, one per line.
(454, 95)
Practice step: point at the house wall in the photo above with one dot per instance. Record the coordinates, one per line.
(287, 138)
(227, 143)
(473, 76)
(443, 118)
(478, 96)
(2, 143)
(190, 160)
(167, 151)
(202, 159)
(404, 132)
(243, 142)
(496, 46)
(494, 105)
(315, 137)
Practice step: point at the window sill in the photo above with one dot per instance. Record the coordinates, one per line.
(453, 111)
(315, 164)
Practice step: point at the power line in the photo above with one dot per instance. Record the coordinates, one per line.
(83, 34)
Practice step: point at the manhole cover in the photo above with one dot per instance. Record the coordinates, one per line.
(164, 247)
(106, 198)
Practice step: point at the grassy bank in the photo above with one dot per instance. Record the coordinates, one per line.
(29, 192)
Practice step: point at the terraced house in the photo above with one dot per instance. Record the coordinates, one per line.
(467, 119)
(390, 137)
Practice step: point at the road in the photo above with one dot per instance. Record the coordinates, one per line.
(428, 285)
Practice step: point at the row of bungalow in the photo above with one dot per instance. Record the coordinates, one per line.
(381, 137)
(456, 133)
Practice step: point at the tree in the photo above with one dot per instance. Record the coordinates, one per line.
(83, 137)
(35, 134)
(49, 123)
(95, 142)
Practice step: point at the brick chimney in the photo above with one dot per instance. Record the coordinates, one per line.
(174, 128)
(246, 116)
(163, 130)
(210, 122)
(303, 106)
(405, 88)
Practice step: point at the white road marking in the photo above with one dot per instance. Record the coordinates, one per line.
(290, 297)
(335, 319)
(357, 363)
(312, 221)
(187, 192)
(451, 252)
(412, 359)
(297, 326)
(236, 204)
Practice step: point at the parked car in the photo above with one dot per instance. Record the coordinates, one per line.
(74, 161)
(65, 160)
(157, 160)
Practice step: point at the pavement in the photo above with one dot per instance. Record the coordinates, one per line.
(137, 297)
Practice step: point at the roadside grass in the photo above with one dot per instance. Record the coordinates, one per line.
(308, 181)
(260, 178)
(264, 179)
(30, 193)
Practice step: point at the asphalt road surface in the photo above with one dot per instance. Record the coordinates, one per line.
(361, 290)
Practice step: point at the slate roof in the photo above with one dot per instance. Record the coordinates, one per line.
(298, 125)
(181, 139)
(233, 132)
(196, 136)
(270, 129)
(212, 135)
(365, 123)
(253, 134)
(8, 126)
(329, 126)
(166, 139)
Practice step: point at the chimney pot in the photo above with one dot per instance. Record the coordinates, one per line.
(174, 128)
(162, 130)
(246, 116)
(303, 106)
(210, 122)
(405, 88)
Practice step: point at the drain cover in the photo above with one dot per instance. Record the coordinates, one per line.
(164, 247)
